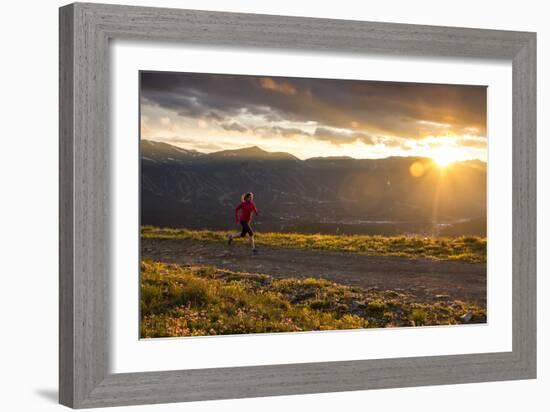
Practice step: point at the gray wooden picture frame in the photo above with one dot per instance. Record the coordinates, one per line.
(85, 32)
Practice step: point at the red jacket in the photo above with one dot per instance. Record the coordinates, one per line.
(246, 209)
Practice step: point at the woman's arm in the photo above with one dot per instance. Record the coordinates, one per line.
(254, 208)
(237, 212)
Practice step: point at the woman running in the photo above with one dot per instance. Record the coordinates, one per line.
(246, 207)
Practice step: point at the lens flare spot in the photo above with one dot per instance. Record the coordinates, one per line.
(416, 169)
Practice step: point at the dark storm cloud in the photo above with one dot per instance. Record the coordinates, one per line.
(400, 109)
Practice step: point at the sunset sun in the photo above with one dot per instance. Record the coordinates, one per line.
(443, 157)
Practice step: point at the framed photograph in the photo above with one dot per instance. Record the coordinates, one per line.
(256, 205)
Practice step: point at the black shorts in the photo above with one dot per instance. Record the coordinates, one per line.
(246, 229)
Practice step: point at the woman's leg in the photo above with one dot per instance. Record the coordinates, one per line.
(248, 229)
(242, 233)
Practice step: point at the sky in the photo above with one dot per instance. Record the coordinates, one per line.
(314, 117)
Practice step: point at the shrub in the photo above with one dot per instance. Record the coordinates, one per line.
(418, 317)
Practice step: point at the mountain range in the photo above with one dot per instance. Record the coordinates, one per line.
(187, 188)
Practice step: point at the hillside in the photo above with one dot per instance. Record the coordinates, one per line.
(198, 300)
(185, 188)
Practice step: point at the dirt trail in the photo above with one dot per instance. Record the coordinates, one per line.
(422, 277)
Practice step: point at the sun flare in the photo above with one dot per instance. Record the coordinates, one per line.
(444, 157)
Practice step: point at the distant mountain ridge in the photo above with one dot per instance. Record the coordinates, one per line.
(163, 151)
(253, 152)
(186, 188)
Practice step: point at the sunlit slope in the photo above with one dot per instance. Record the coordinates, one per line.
(465, 248)
(204, 300)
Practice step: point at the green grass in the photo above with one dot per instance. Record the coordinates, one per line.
(203, 300)
(464, 248)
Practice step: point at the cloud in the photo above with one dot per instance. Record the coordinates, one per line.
(334, 136)
(277, 86)
(234, 126)
(277, 131)
(370, 108)
(339, 137)
(473, 142)
(394, 142)
(289, 131)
